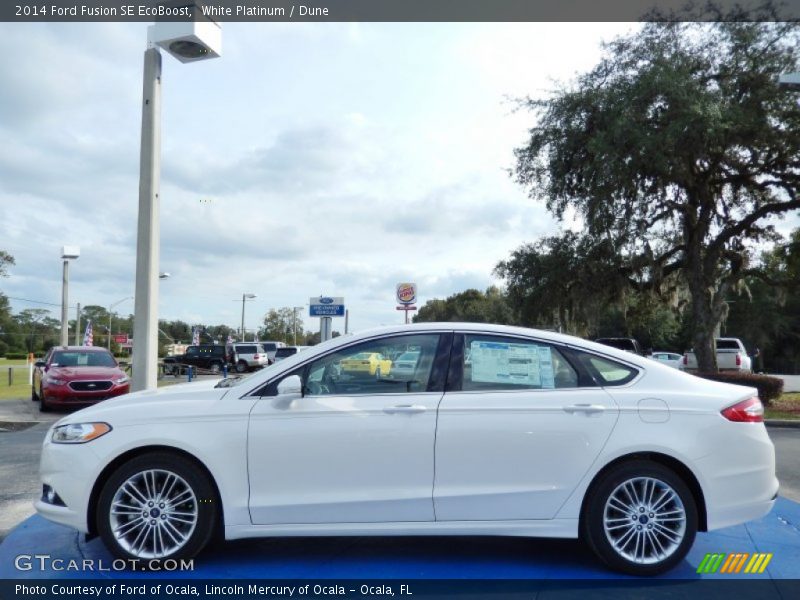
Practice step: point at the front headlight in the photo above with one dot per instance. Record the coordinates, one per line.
(121, 380)
(79, 433)
(54, 381)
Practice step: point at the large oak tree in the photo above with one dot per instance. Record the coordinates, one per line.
(680, 148)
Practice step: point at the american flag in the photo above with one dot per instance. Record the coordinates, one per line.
(88, 337)
(195, 336)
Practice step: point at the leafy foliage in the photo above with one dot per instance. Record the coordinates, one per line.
(472, 306)
(675, 149)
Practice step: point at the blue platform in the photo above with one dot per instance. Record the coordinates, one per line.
(411, 558)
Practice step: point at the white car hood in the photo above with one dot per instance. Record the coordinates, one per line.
(178, 392)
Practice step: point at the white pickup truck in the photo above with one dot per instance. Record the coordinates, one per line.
(731, 356)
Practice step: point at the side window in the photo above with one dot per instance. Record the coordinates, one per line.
(606, 371)
(400, 364)
(192, 351)
(499, 363)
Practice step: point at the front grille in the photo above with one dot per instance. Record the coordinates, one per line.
(90, 386)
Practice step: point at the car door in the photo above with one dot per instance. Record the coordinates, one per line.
(522, 425)
(355, 448)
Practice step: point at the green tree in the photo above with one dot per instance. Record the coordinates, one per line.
(280, 326)
(472, 306)
(678, 147)
(6, 261)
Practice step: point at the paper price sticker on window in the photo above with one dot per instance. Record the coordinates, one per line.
(514, 364)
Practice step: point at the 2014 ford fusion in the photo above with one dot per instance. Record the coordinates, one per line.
(497, 431)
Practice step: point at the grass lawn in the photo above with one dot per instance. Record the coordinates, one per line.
(787, 407)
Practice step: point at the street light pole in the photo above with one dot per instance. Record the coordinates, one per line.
(245, 297)
(64, 304)
(109, 317)
(145, 322)
(67, 253)
(294, 318)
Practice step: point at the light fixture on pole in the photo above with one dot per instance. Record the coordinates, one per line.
(197, 38)
(68, 253)
(245, 297)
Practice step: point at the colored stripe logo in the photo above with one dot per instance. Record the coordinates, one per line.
(735, 562)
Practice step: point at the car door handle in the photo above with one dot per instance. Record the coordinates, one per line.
(589, 409)
(405, 408)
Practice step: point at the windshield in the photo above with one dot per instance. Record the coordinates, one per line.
(77, 358)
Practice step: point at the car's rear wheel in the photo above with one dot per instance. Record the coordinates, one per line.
(34, 395)
(43, 405)
(215, 367)
(157, 506)
(640, 518)
(241, 366)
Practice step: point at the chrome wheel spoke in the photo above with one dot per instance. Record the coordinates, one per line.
(644, 520)
(164, 520)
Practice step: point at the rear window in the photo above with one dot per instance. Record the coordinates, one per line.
(727, 345)
(606, 371)
(246, 349)
(270, 346)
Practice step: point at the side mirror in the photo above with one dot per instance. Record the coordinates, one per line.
(123, 363)
(40, 363)
(291, 386)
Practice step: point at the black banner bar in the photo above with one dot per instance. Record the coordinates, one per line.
(273, 589)
(390, 10)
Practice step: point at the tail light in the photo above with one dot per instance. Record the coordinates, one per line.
(738, 360)
(685, 359)
(746, 411)
(255, 356)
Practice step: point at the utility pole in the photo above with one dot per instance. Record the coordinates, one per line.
(78, 341)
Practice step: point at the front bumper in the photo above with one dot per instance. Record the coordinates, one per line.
(63, 396)
(70, 469)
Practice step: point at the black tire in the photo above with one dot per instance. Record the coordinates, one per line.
(206, 504)
(34, 395)
(593, 526)
(215, 367)
(241, 367)
(43, 405)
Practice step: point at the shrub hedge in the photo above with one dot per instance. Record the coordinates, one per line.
(16, 355)
(769, 388)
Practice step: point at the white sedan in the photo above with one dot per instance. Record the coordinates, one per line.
(537, 434)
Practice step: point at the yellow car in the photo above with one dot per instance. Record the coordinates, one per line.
(366, 363)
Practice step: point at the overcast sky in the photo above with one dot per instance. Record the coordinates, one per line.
(310, 159)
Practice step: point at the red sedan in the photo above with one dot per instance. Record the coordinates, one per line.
(74, 376)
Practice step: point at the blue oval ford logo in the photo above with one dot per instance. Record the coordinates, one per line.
(326, 300)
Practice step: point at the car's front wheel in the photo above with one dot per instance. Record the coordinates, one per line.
(157, 506)
(640, 518)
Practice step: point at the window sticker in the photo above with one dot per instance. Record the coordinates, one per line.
(513, 364)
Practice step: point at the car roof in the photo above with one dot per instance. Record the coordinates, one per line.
(80, 348)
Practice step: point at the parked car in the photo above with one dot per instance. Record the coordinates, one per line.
(246, 356)
(627, 344)
(366, 363)
(731, 356)
(405, 365)
(211, 357)
(671, 359)
(288, 351)
(549, 435)
(76, 376)
(272, 348)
